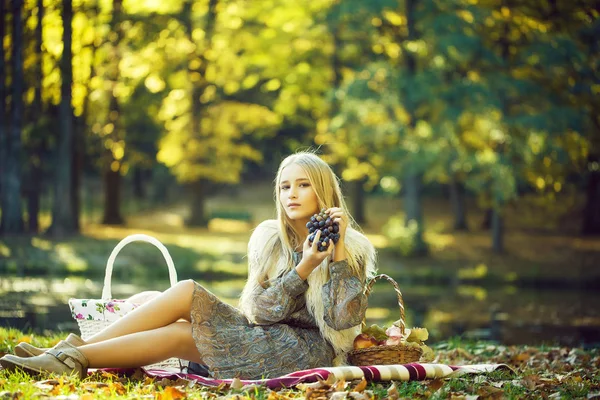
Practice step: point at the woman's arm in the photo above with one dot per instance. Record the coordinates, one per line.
(343, 296)
(278, 301)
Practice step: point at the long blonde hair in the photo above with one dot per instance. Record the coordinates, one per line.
(271, 247)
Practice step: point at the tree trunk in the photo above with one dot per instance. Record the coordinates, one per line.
(3, 114)
(81, 132)
(414, 212)
(413, 180)
(198, 205)
(498, 204)
(358, 201)
(76, 170)
(198, 77)
(487, 219)
(33, 199)
(62, 213)
(112, 198)
(139, 192)
(112, 167)
(497, 231)
(457, 198)
(591, 212)
(12, 208)
(34, 191)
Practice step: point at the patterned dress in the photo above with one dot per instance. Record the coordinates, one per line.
(286, 337)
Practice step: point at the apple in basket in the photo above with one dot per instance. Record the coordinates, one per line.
(363, 341)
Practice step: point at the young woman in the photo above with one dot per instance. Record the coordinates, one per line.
(301, 308)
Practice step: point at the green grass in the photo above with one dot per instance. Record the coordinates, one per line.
(536, 373)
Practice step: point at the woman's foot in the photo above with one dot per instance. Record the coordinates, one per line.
(24, 349)
(64, 358)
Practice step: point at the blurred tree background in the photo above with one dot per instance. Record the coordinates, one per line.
(491, 100)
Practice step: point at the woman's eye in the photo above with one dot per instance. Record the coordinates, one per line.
(304, 184)
(285, 187)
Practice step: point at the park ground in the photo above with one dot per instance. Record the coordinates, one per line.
(539, 251)
(531, 373)
(541, 248)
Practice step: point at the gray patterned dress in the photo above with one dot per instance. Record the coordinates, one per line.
(286, 337)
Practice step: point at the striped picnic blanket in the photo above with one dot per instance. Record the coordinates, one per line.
(374, 373)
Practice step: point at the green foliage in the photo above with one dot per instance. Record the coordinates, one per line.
(401, 234)
(533, 372)
(501, 97)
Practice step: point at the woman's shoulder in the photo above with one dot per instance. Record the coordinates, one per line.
(264, 231)
(267, 225)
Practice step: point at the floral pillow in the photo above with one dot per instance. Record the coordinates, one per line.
(100, 310)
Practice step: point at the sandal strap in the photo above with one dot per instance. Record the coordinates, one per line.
(65, 358)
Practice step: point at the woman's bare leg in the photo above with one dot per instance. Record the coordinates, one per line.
(143, 348)
(170, 306)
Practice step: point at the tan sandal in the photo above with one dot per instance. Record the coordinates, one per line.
(64, 358)
(24, 349)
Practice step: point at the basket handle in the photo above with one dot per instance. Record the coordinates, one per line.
(398, 294)
(107, 290)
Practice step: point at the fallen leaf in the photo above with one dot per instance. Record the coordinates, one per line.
(362, 385)
(488, 391)
(331, 379)
(108, 375)
(435, 384)
(530, 381)
(314, 385)
(171, 393)
(46, 385)
(521, 358)
(339, 386)
(236, 384)
(11, 395)
(359, 396)
(92, 386)
(338, 396)
(316, 394)
(392, 392)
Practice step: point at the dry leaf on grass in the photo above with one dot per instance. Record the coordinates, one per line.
(236, 384)
(359, 396)
(11, 395)
(362, 385)
(93, 386)
(171, 393)
(392, 392)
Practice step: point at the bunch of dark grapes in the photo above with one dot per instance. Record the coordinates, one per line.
(328, 228)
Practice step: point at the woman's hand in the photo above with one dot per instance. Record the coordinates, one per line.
(311, 254)
(339, 216)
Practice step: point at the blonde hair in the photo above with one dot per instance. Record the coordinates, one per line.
(271, 247)
(323, 181)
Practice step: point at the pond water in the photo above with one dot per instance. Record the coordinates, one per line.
(506, 314)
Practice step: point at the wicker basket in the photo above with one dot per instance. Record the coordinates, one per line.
(386, 355)
(93, 315)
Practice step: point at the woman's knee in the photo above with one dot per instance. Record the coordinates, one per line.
(185, 287)
(182, 294)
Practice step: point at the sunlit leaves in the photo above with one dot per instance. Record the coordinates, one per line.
(151, 6)
(217, 151)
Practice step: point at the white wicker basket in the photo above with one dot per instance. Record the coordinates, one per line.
(93, 315)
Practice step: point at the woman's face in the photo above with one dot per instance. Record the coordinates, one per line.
(296, 194)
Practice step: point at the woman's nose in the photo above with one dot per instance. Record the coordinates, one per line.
(292, 193)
